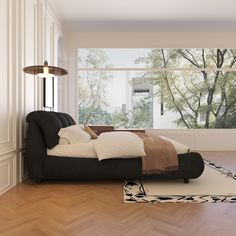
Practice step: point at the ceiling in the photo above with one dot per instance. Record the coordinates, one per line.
(148, 15)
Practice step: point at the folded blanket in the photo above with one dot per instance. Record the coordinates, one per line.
(160, 156)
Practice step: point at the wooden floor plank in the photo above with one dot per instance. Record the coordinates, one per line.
(97, 208)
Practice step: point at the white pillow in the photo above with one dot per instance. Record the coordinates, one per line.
(81, 126)
(119, 145)
(64, 141)
(74, 134)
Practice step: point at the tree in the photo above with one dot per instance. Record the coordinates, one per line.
(142, 114)
(92, 84)
(98, 116)
(139, 117)
(122, 119)
(202, 99)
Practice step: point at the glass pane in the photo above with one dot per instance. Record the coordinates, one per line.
(195, 99)
(118, 98)
(171, 99)
(189, 58)
(111, 57)
(156, 58)
(206, 58)
(158, 100)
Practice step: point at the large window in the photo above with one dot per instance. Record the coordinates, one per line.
(157, 88)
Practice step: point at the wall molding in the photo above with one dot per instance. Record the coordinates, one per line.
(8, 143)
(7, 184)
(7, 169)
(21, 41)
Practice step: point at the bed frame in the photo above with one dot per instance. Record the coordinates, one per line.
(42, 134)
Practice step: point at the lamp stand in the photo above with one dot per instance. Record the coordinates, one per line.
(45, 98)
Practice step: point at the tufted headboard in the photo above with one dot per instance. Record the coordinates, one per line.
(50, 123)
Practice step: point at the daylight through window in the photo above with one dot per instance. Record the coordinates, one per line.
(157, 88)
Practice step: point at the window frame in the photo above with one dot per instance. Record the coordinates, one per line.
(160, 69)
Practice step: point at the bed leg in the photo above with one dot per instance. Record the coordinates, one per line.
(39, 181)
(186, 180)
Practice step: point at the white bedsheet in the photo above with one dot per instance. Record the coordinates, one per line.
(74, 150)
(88, 149)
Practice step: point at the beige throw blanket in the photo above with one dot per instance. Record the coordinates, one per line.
(160, 156)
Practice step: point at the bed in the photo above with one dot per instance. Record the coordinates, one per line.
(42, 134)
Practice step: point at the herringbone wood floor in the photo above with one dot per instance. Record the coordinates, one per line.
(97, 208)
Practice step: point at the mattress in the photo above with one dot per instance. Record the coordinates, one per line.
(87, 150)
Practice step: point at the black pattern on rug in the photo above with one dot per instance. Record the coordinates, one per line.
(220, 169)
(134, 192)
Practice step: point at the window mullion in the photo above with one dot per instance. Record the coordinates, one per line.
(159, 69)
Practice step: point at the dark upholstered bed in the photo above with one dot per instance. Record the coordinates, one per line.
(42, 134)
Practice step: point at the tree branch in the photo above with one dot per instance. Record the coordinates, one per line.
(193, 62)
(170, 91)
(203, 58)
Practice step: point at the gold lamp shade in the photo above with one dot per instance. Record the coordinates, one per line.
(45, 70)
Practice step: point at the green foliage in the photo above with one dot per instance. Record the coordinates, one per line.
(122, 119)
(98, 116)
(140, 117)
(92, 86)
(201, 99)
(93, 101)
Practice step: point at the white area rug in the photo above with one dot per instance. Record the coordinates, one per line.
(215, 185)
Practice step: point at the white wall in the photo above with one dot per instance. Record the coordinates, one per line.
(21, 44)
(203, 140)
(198, 139)
(152, 39)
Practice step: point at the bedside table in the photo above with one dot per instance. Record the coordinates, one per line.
(132, 130)
(98, 129)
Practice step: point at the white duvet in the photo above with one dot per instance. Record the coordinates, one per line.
(74, 150)
(119, 144)
(110, 145)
